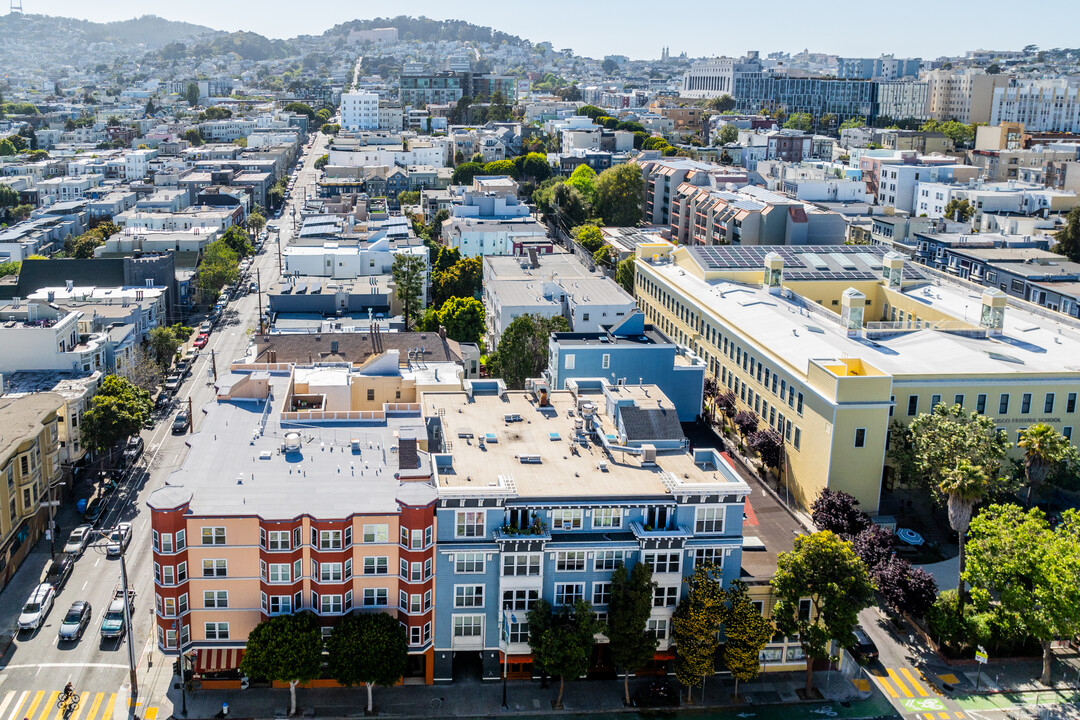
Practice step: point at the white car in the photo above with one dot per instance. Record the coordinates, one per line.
(79, 539)
(119, 539)
(37, 607)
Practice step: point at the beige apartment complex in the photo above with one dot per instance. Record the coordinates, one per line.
(828, 344)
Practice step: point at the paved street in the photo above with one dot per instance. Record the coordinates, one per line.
(36, 666)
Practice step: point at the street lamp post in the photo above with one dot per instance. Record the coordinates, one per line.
(127, 617)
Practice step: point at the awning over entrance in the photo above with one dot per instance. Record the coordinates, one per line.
(211, 660)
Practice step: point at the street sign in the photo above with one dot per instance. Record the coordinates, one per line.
(981, 657)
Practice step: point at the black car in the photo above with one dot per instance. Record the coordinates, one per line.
(864, 649)
(60, 569)
(75, 621)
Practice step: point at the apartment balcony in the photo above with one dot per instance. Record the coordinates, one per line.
(529, 539)
(670, 536)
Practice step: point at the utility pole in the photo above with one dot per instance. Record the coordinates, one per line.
(127, 625)
(279, 251)
(190, 417)
(213, 365)
(258, 288)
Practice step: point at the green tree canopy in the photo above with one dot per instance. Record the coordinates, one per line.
(116, 412)
(583, 179)
(368, 649)
(565, 646)
(959, 210)
(799, 121)
(285, 648)
(632, 645)
(219, 267)
(852, 123)
(409, 285)
(523, 348)
(191, 94)
(825, 569)
(322, 161)
(746, 633)
(446, 258)
(620, 193)
(237, 240)
(624, 274)
(7, 148)
(163, 345)
(1017, 561)
(728, 134)
(1068, 238)
(958, 132)
(500, 167)
(463, 279)
(300, 108)
(1045, 450)
(465, 172)
(695, 624)
(590, 237)
(463, 318)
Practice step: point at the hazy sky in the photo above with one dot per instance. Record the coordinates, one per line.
(923, 28)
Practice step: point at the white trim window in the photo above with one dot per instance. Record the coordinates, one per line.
(468, 562)
(570, 560)
(468, 626)
(566, 518)
(709, 520)
(469, 523)
(468, 596)
(607, 518)
(569, 593)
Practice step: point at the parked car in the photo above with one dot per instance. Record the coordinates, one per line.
(37, 607)
(78, 540)
(206, 326)
(119, 539)
(59, 570)
(94, 508)
(253, 286)
(75, 621)
(200, 342)
(181, 422)
(864, 650)
(132, 450)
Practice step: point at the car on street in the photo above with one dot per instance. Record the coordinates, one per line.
(37, 607)
(205, 327)
(119, 539)
(59, 570)
(200, 342)
(75, 621)
(181, 422)
(132, 450)
(94, 508)
(253, 286)
(112, 624)
(78, 539)
(864, 649)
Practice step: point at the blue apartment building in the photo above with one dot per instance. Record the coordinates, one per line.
(542, 493)
(630, 352)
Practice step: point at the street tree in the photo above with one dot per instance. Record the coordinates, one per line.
(631, 645)
(117, 411)
(408, 275)
(1068, 238)
(1018, 561)
(238, 241)
(583, 179)
(368, 649)
(285, 648)
(535, 166)
(959, 455)
(624, 274)
(727, 404)
(769, 445)
(463, 279)
(746, 633)
(799, 121)
(191, 94)
(589, 237)
(874, 543)
(565, 646)
(620, 194)
(1045, 449)
(824, 568)
(746, 422)
(695, 624)
(838, 512)
(143, 371)
(903, 587)
(729, 134)
(523, 348)
(219, 267)
(163, 344)
(256, 222)
(959, 210)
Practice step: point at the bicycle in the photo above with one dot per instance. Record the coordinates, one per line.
(69, 701)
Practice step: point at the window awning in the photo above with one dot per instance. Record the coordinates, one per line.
(212, 660)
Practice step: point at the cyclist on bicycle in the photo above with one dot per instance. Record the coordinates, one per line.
(68, 689)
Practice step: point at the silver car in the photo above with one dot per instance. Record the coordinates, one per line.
(79, 539)
(119, 539)
(37, 607)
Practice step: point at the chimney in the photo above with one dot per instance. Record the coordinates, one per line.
(442, 332)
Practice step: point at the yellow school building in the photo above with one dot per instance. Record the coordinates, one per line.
(828, 344)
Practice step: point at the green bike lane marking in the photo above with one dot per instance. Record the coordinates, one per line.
(1000, 701)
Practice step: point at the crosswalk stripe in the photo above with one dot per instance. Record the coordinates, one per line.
(943, 715)
(959, 716)
(914, 683)
(107, 713)
(53, 697)
(34, 705)
(7, 701)
(886, 686)
(929, 716)
(94, 708)
(83, 697)
(150, 714)
(900, 684)
(15, 711)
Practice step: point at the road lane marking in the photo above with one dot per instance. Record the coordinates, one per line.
(41, 665)
(959, 716)
(7, 701)
(15, 711)
(108, 712)
(53, 697)
(914, 683)
(94, 708)
(150, 714)
(34, 705)
(83, 697)
(943, 715)
(899, 683)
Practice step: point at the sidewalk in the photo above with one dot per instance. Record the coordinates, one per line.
(763, 699)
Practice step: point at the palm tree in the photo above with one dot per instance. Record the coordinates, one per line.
(964, 486)
(1044, 447)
